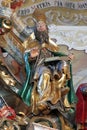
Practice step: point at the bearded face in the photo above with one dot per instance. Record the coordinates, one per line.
(41, 32)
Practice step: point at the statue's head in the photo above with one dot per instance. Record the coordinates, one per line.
(40, 20)
(41, 31)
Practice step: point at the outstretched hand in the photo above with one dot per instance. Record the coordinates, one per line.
(34, 53)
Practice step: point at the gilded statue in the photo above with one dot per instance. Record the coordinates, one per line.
(43, 72)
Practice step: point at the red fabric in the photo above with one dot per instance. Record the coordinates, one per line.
(14, 5)
(7, 112)
(81, 106)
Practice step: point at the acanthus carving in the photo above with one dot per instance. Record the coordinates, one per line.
(75, 37)
(66, 19)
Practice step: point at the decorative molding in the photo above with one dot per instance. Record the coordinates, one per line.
(59, 12)
(59, 18)
(80, 5)
(75, 37)
(65, 19)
